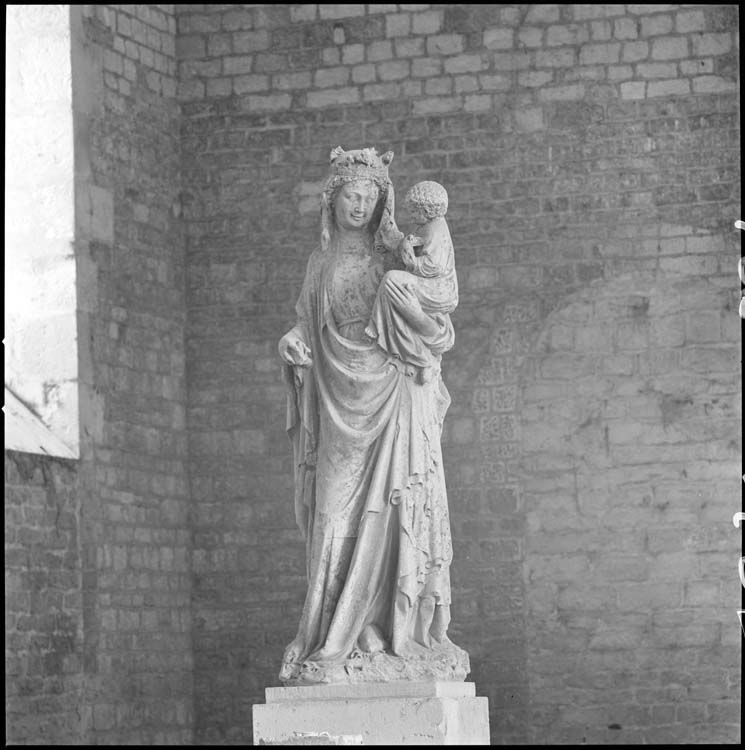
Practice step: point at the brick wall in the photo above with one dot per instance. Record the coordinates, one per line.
(137, 546)
(100, 548)
(43, 607)
(630, 442)
(591, 153)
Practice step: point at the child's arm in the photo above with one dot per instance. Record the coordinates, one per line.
(436, 248)
(406, 248)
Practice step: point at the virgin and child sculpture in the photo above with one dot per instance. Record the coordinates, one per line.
(366, 403)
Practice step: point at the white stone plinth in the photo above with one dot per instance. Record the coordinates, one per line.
(391, 713)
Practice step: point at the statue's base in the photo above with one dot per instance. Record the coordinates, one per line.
(443, 662)
(392, 713)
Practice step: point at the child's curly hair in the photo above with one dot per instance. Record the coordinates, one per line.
(430, 196)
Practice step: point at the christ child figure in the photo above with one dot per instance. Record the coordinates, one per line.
(430, 275)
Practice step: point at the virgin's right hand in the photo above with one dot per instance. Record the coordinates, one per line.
(294, 351)
(404, 299)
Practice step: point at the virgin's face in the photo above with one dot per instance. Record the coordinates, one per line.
(355, 203)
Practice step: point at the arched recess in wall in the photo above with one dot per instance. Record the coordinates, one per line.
(629, 448)
(52, 211)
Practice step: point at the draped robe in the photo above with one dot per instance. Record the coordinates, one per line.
(370, 488)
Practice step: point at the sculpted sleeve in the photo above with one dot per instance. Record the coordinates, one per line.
(437, 251)
(304, 304)
(302, 410)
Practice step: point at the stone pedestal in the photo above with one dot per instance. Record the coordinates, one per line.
(391, 713)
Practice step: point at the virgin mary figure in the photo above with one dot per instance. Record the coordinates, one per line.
(370, 494)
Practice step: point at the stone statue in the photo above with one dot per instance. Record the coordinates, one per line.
(366, 403)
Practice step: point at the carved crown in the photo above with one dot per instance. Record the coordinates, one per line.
(360, 164)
